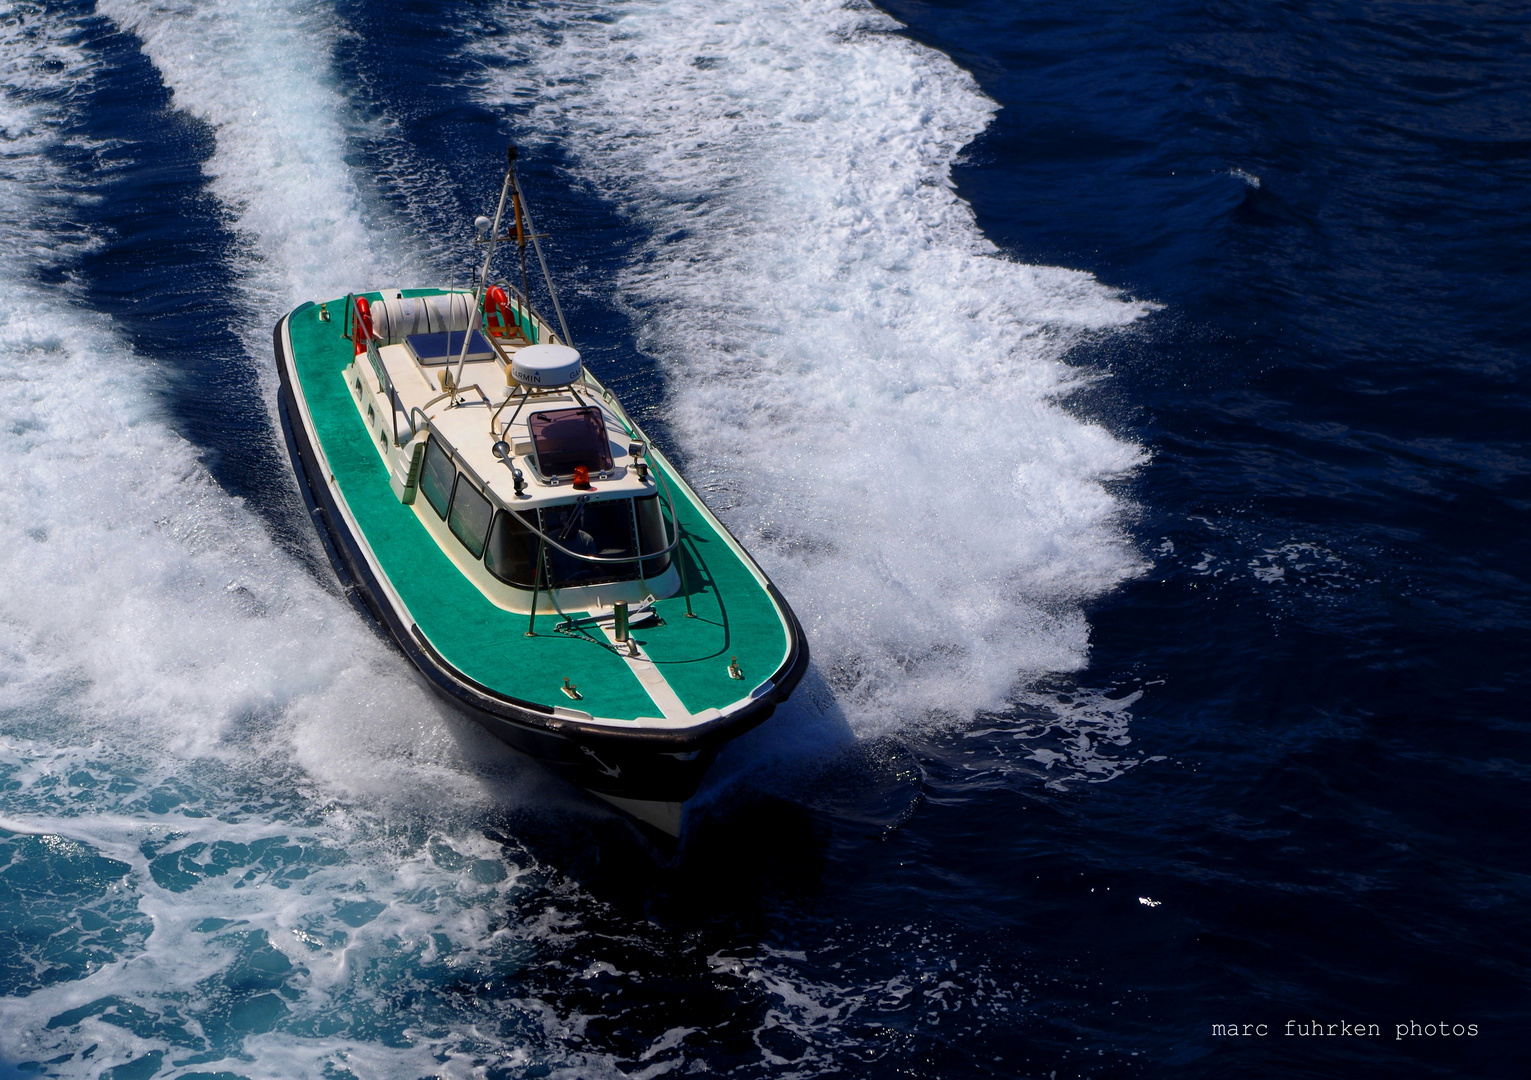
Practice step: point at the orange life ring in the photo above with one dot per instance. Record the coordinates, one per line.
(497, 303)
(363, 329)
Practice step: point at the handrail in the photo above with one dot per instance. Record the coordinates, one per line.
(377, 364)
(483, 486)
(528, 313)
(413, 430)
(350, 329)
(386, 382)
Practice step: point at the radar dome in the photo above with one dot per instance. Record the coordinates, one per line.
(545, 365)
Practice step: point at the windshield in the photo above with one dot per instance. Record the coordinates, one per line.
(607, 529)
(591, 528)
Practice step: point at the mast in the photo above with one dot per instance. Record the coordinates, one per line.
(537, 247)
(483, 277)
(524, 228)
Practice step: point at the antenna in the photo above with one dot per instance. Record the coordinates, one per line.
(483, 277)
(537, 247)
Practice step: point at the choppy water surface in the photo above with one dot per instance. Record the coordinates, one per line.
(1131, 403)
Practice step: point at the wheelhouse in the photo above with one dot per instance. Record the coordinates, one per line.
(540, 494)
(580, 542)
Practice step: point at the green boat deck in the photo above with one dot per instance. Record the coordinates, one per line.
(735, 614)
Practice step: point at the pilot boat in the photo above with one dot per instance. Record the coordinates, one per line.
(532, 553)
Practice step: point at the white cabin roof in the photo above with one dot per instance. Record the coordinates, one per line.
(464, 423)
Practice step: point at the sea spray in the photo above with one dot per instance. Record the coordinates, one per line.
(205, 752)
(858, 381)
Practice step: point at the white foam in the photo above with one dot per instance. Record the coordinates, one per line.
(261, 75)
(353, 929)
(142, 603)
(140, 597)
(864, 387)
(154, 642)
(152, 638)
(202, 615)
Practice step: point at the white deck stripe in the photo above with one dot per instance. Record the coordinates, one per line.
(654, 684)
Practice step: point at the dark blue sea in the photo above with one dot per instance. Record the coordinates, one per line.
(1130, 399)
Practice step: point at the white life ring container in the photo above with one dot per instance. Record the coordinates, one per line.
(395, 319)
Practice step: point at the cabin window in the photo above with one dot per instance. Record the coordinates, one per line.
(470, 516)
(512, 552)
(591, 528)
(436, 477)
(604, 529)
(651, 530)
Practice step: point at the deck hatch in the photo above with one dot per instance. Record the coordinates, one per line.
(445, 347)
(564, 438)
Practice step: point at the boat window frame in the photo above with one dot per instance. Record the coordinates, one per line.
(499, 513)
(652, 566)
(452, 516)
(442, 448)
(601, 569)
(667, 502)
